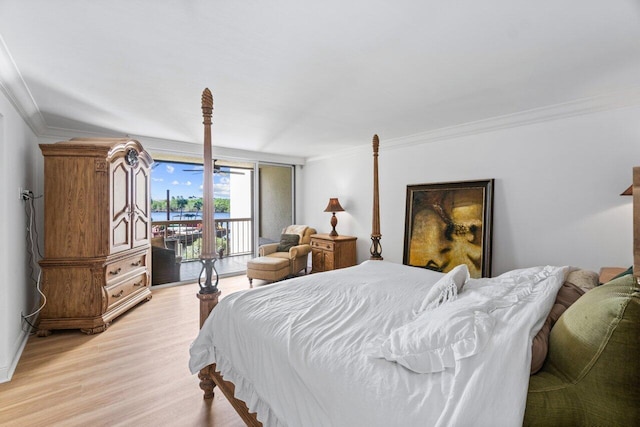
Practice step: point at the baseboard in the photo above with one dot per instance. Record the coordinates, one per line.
(7, 372)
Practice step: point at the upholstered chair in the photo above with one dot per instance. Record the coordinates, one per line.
(592, 371)
(165, 264)
(297, 254)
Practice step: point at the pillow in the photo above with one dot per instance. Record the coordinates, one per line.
(296, 229)
(435, 340)
(446, 289)
(567, 295)
(584, 279)
(287, 241)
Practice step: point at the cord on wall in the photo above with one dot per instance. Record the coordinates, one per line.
(25, 194)
(32, 244)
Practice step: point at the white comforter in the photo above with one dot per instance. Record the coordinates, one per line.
(321, 350)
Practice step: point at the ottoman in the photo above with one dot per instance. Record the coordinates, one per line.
(267, 268)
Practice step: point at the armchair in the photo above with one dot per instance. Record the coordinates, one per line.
(165, 265)
(296, 255)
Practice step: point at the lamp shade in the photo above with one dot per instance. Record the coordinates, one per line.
(334, 206)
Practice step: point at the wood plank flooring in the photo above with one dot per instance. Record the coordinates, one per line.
(134, 374)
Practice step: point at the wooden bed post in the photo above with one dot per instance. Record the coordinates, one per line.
(208, 253)
(636, 223)
(207, 303)
(209, 292)
(376, 247)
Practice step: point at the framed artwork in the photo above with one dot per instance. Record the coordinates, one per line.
(448, 224)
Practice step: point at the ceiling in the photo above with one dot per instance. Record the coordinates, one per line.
(305, 78)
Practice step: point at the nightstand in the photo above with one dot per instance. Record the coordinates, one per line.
(332, 252)
(608, 273)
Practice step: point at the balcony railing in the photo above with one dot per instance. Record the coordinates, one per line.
(233, 236)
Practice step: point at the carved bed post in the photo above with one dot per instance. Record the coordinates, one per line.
(209, 293)
(208, 253)
(636, 223)
(376, 247)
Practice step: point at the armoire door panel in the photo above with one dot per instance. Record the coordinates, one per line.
(119, 190)
(141, 229)
(141, 207)
(141, 195)
(120, 235)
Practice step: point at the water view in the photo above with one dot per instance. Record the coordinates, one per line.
(162, 215)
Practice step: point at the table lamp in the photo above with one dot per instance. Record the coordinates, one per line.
(333, 207)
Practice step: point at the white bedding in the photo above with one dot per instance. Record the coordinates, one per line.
(316, 350)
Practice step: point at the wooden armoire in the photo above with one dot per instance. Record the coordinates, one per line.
(97, 227)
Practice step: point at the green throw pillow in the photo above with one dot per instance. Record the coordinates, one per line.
(287, 241)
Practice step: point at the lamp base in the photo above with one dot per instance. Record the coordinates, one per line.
(334, 222)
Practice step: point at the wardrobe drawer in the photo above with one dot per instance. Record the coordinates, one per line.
(119, 292)
(119, 269)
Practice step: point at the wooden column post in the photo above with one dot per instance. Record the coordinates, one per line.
(376, 247)
(209, 292)
(208, 253)
(636, 224)
(207, 304)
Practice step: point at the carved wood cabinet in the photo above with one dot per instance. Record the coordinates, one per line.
(332, 252)
(97, 227)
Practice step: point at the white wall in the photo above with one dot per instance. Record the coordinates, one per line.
(557, 186)
(21, 167)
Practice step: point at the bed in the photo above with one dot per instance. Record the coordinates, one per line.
(387, 344)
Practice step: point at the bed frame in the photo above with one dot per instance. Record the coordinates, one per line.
(210, 378)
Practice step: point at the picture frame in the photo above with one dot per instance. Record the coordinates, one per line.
(448, 224)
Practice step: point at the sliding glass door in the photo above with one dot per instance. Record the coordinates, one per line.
(253, 203)
(275, 201)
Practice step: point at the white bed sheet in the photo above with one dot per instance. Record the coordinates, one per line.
(299, 351)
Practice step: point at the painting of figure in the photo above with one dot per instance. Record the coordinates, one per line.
(449, 224)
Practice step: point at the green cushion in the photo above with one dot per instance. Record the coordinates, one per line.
(592, 372)
(287, 241)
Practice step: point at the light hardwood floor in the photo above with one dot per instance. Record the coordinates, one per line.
(133, 374)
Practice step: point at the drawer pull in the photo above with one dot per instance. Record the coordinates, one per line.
(114, 272)
(137, 284)
(119, 294)
(137, 263)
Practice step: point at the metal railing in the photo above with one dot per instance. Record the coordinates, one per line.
(233, 236)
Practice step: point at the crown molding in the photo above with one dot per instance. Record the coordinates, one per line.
(15, 89)
(160, 147)
(523, 118)
(169, 147)
(628, 98)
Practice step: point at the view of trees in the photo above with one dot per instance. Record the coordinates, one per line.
(191, 205)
